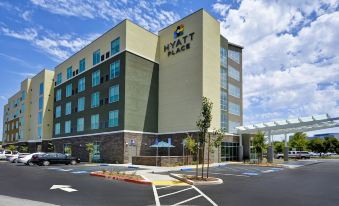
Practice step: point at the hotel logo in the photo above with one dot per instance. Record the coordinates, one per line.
(179, 31)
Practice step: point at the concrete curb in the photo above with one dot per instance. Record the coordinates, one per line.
(144, 182)
(190, 182)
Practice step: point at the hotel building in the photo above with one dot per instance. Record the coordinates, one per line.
(130, 86)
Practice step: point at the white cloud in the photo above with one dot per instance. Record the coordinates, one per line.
(58, 47)
(27, 15)
(3, 98)
(290, 47)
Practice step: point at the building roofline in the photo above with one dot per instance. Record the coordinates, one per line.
(235, 45)
(125, 20)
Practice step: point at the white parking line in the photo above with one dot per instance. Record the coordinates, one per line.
(207, 198)
(159, 188)
(172, 193)
(156, 197)
(182, 202)
(227, 174)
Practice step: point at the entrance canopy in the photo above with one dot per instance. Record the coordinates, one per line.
(162, 144)
(301, 124)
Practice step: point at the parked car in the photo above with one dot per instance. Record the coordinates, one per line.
(27, 159)
(4, 154)
(15, 157)
(8, 156)
(295, 154)
(54, 158)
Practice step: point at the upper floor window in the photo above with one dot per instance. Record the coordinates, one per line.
(224, 120)
(68, 109)
(232, 126)
(41, 102)
(234, 73)
(234, 55)
(57, 111)
(223, 100)
(96, 57)
(40, 117)
(80, 124)
(82, 65)
(96, 78)
(114, 94)
(59, 79)
(113, 118)
(223, 78)
(23, 95)
(69, 90)
(115, 69)
(57, 129)
(234, 108)
(69, 72)
(58, 95)
(234, 90)
(41, 88)
(115, 46)
(95, 121)
(67, 127)
(81, 104)
(223, 57)
(81, 84)
(95, 99)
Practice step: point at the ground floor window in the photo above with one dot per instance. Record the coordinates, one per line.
(229, 151)
(68, 148)
(96, 152)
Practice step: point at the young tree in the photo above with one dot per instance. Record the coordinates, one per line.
(191, 145)
(216, 142)
(23, 149)
(278, 147)
(203, 124)
(299, 141)
(330, 144)
(11, 148)
(68, 150)
(50, 147)
(90, 149)
(316, 145)
(259, 144)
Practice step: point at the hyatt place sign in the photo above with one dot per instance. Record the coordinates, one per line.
(180, 43)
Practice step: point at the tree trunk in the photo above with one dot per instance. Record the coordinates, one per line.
(208, 154)
(197, 160)
(90, 158)
(203, 157)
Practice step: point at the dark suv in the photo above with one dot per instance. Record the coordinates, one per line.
(54, 158)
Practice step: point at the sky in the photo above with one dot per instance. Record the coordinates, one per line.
(290, 56)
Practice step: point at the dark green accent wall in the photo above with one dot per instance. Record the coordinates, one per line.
(141, 94)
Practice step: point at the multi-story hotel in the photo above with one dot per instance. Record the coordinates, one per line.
(28, 116)
(130, 86)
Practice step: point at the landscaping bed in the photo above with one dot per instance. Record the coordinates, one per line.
(192, 180)
(122, 176)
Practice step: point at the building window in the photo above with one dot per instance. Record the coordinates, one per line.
(223, 121)
(95, 99)
(115, 46)
(232, 126)
(115, 69)
(229, 151)
(223, 57)
(95, 78)
(40, 117)
(23, 95)
(58, 95)
(67, 148)
(223, 100)
(234, 73)
(223, 78)
(39, 132)
(80, 124)
(41, 88)
(57, 111)
(68, 108)
(113, 118)
(82, 65)
(68, 127)
(81, 104)
(69, 72)
(59, 79)
(234, 55)
(114, 94)
(234, 108)
(57, 129)
(69, 90)
(41, 102)
(95, 121)
(81, 84)
(234, 90)
(96, 57)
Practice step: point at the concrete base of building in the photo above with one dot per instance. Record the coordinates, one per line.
(286, 150)
(270, 154)
(31, 147)
(120, 147)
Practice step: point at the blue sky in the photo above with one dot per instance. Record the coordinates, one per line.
(291, 55)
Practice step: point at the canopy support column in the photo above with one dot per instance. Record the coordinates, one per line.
(286, 149)
(241, 149)
(270, 152)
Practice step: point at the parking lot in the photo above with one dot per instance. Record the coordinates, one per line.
(243, 185)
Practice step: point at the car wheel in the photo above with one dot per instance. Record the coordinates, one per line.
(45, 163)
(73, 162)
(30, 163)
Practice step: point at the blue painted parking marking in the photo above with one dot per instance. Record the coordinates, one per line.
(186, 169)
(250, 173)
(53, 168)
